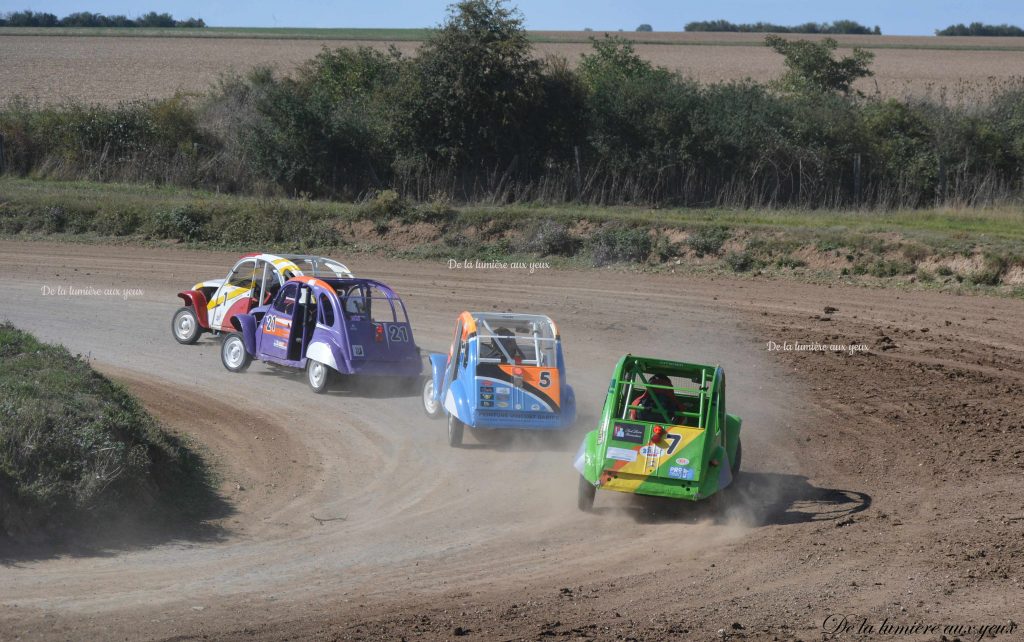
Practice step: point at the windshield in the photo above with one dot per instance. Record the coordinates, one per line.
(319, 266)
(524, 341)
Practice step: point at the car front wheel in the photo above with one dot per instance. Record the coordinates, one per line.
(319, 374)
(185, 326)
(233, 354)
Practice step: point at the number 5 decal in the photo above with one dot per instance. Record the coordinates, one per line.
(674, 439)
(545, 380)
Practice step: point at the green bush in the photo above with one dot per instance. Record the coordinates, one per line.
(708, 240)
(116, 222)
(385, 204)
(993, 269)
(741, 261)
(551, 238)
(55, 220)
(613, 243)
(438, 211)
(915, 252)
(885, 268)
(790, 262)
(811, 67)
(189, 222)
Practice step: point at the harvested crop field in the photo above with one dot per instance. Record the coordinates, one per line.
(107, 69)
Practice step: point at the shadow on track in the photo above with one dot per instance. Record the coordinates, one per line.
(366, 387)
(126, 536)
(756, 499)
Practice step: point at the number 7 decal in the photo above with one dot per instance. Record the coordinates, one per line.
(674, 439)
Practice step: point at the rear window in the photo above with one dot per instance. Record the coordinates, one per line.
(369, 303)
(524, 342)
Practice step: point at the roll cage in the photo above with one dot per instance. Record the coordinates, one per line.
(498, 340)
(701, 407)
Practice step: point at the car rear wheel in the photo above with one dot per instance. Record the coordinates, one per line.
(735, 467)
(455, 428)
(319, 375)
(585, 496)
(233, 354)
(185, 326)
(431, 406)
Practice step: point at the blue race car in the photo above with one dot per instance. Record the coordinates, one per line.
(327, 326)
(503, 371)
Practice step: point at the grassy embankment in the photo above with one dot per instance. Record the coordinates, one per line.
(81, 458)
(955, 249)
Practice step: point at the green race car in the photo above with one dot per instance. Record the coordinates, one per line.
(664, 431)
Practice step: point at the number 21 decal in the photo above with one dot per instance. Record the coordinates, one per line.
(398, 333)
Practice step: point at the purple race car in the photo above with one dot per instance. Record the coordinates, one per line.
(326, 326)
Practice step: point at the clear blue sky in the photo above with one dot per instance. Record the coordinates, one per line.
(910, 17)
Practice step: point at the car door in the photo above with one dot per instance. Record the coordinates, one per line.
(277, 327)
(235, 295)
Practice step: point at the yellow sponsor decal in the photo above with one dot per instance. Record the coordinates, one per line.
(629, 473)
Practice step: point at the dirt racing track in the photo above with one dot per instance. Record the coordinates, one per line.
(883, 483)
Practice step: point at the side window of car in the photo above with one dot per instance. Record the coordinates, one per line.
(270, 281)
(242, 276)
(285, 301)
(326, 311)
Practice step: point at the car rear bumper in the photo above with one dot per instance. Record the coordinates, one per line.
(653, 486)
(405, 368)
(510, 421)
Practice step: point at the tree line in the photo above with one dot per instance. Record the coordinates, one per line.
(89, 19)
(980, 29)
(474, 115)
(833, 28)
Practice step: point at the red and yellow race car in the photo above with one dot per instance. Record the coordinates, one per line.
(253, 281)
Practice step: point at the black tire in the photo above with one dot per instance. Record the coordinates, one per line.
(734, 468)
(455, 428)
(233, 354)
(185, 326)
(585, 496)
(318, 375)
(433, 410)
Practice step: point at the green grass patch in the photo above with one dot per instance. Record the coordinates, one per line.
(79, 456)
(874, 244)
